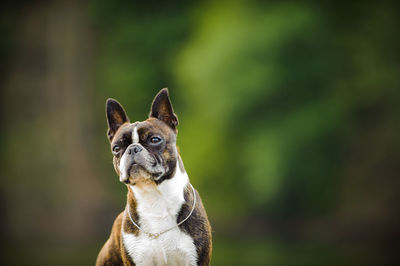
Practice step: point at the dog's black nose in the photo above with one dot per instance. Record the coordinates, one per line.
(134, 149)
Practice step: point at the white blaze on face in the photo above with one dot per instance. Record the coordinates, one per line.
(123, 166)
(135, 135)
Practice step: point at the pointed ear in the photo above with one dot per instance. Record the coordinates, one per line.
(162, 109)
(116, 116)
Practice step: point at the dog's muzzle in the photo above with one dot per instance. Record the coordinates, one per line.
(136, 156)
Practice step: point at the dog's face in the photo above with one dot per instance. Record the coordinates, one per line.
(143, 151)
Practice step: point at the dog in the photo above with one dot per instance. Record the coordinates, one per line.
(164, 221)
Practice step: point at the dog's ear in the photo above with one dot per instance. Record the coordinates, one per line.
(116, 117)
(162, 109)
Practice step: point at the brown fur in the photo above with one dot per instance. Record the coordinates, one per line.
(197, 226)
(111, 252)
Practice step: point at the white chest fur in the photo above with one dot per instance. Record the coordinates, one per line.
(158, 209)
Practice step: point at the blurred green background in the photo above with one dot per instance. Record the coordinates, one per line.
(289, 124)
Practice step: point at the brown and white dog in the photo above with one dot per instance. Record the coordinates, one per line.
(164, 221)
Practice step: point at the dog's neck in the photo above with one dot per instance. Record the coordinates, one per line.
(152, 205)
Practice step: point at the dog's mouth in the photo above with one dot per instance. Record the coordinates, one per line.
(137, 173)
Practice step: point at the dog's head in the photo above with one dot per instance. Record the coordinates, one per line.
(143, 151)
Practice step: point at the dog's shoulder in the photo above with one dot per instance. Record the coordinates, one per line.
(110, 253)
(197, 226)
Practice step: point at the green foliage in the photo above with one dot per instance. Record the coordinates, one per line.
(266, 93)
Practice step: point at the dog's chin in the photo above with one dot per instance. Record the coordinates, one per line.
(139, 175)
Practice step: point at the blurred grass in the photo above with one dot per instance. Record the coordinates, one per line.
(261, 252)
(226, 251)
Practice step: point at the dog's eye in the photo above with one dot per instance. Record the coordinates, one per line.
(155, 140)
(116, 149)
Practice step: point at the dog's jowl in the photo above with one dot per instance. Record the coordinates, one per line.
(164, 221)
